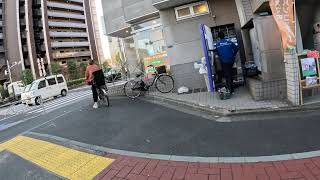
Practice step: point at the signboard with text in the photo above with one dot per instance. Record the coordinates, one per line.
(156, 60)
(283, 12)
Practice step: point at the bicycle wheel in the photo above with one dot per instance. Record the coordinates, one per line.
(165, 84)
(132, 89)
(104, 98)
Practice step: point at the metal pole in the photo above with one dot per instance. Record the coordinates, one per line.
(9, 71)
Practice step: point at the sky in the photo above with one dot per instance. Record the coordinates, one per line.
(104, 38)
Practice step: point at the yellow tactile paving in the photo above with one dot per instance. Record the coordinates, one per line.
(66, 162)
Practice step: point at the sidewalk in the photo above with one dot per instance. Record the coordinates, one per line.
(132, 168)
(241, 102)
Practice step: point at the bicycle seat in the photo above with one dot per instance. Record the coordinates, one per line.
(139, 75)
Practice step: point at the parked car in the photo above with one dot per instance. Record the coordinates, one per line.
(25, 93)
(15, 89)
(113, 75)
(45, 88)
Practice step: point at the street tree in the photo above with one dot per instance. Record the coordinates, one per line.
(72, 69)
(27, 76)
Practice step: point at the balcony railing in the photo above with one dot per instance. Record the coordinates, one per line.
(65, 15)
(71, 54)
(79, 1)
(67, 24)
(69, 44)
(65, 6)
(68, 34)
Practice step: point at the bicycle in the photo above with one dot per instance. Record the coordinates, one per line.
(99, 82)
(164, 83)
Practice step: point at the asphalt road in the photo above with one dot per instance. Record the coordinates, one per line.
(141, 126)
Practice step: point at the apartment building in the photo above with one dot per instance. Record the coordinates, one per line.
(52, 30)
(2, 37)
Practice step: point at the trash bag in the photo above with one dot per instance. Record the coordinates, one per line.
(183, 90)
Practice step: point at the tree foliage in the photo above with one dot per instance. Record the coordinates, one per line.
(72, 69)
(27, 76)
(55, 68)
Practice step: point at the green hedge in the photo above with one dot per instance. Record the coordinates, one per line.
(76, 83)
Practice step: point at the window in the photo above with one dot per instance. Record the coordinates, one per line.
(52, 81)
(42, 84)
(60, 80)
(192, 10)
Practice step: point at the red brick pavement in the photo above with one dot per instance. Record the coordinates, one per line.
(132, 168)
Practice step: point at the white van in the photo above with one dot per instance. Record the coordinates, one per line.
(45, 88)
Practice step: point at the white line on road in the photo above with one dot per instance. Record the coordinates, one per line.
(57, 106)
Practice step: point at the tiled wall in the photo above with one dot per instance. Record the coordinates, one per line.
(186, 75)
(292, 75)
(267, 90)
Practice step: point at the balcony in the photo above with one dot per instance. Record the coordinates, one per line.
(37, 2)
(37, 13)
(22, 22)
(68, 34)
(260, 6)
(164, 4)
(67, 24)
(24, 48)
(71, 54)
(78, 1)
(69, 44)
(1, 23)
(1, 49)
(65, 15)
(65, 6)
(1, 35)
(23, 35)
(39, 36)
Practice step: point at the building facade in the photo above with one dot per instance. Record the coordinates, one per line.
(54, 30)
(167, 32)
(151, 28)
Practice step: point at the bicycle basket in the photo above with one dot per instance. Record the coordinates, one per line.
(161, 69)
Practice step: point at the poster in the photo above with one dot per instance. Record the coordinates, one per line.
(309, 67)
(283, 13)
(157, 60)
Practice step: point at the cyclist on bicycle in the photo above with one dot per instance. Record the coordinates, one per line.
(91, 68)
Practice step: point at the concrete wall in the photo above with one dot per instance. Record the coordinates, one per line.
(91, 36)
(134, 9)
(184, 43)
(12, 41)
(118, 12)
(113, 15)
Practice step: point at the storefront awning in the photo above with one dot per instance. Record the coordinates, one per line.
(164, 4)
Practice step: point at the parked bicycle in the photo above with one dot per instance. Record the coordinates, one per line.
(164, 83)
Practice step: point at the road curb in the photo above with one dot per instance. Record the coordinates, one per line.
(226, 112)
(105, 150)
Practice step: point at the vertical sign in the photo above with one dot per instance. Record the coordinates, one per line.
(283, 12)
(206, 46)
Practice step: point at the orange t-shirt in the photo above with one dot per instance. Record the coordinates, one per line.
(89, 72)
